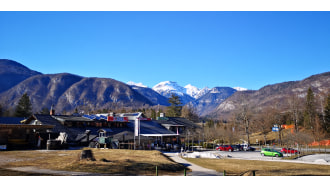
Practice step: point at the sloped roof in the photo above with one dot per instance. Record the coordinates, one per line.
(178, 121)
(49, 120)
(83, 137)
(11, 120)
(152, 128)
(64, 118)
(127, 136)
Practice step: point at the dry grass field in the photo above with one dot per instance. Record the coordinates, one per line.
(108, 162)
(139, 162)
(235, 167)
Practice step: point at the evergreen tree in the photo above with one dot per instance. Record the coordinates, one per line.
(153, 114)
(1, 112)
(174, 110)
(327, 115)
(45, 111)
(310, 110)
(24, 107)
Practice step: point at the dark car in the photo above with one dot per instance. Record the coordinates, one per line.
(247, 147)
(225, 148)
(237, 147)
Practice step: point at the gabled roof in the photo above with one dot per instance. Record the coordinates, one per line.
(49, 120)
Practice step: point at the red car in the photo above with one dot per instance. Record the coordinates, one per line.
(289, 151)
(225, 148)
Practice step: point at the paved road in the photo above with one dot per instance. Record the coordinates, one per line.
(246, 155)
(196, 170)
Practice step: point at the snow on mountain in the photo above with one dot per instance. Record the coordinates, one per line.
(188, 92)
(131, 83)
(240, 88)
(166, 88)
(192, 90)
(202, 92)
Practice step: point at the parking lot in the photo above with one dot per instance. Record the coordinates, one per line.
(247, 155)
(255, 155)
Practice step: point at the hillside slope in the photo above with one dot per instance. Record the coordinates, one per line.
(12, 73)
(68, 92)
(279, 94)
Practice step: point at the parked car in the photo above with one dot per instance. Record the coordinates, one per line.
(225, 148)
(246, 147)
(237, 147)
(289, 151)
(249, 148)
(270, 152)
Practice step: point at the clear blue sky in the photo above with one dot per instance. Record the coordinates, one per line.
(222, 48)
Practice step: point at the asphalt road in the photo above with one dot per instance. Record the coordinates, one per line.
(255, 155)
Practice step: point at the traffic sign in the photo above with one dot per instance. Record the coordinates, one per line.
(275, 129)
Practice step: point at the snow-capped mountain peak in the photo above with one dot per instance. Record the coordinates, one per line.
(168, 86)
(240, 88)
(192, 90)
(131, 83)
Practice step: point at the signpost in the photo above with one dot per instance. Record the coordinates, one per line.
(275, 129)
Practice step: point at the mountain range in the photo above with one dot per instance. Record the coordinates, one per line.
(68, 92)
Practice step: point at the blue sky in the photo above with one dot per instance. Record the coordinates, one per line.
(203, 48)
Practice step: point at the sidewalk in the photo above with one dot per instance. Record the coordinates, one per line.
(196, 170)
(53, 172)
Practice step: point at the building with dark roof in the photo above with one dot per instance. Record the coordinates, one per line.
(125, 129)
(178, 124)
(11, 120)
(15, 135)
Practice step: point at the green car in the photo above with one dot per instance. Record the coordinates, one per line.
(270, 152)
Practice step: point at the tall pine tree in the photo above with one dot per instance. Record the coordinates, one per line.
(327, 115)
(174, 110)
(24, 107)
(310, 110)
(1, 112)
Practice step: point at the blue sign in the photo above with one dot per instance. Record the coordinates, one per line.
(275, 129)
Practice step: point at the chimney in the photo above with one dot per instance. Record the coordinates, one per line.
(52, 111)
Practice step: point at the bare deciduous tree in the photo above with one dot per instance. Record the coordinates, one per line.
(244, 117)
(265, 121)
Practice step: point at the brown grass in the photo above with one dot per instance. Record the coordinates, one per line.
(235, 167)
(108, 161)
